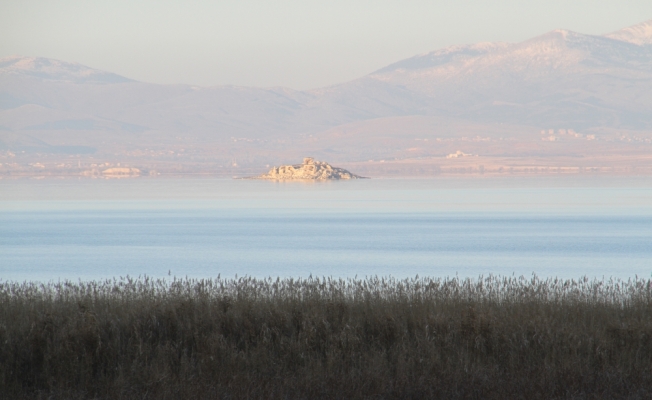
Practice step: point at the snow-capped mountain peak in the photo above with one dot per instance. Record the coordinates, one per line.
(55, 70)
(444, 56)
(640, 34)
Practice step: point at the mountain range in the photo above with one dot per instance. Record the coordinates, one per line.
(561, 93)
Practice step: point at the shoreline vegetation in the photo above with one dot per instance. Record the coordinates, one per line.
(382, 338)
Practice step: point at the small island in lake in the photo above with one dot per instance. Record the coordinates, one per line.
(309, 170)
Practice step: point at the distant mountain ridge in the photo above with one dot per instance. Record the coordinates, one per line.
(55, 70)
(559, 79)
(562, 76)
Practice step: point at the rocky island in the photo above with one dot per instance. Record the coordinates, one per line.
(309, 170)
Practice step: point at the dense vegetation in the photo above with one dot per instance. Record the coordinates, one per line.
(375, 338)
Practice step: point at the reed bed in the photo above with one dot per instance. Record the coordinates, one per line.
(378, 338)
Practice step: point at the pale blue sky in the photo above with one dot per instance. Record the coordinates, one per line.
(299, 44)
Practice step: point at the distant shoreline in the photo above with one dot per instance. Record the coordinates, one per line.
(635, 165)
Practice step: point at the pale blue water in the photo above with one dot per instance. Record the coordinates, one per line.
(85, 229)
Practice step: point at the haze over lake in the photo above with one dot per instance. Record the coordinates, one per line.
(90, 229)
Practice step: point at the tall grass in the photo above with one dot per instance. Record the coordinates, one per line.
(381, 338)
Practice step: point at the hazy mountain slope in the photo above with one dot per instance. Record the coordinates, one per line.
(208, 113)
(417, 136)
(220, 112)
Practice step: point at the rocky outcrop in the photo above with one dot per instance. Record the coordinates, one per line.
(309, 170)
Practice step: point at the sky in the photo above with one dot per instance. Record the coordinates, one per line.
(292, 43)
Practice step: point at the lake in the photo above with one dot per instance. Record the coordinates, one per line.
(201, 227)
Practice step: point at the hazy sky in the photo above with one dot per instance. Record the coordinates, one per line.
(299, 44)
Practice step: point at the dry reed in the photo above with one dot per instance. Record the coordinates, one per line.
(381, 338)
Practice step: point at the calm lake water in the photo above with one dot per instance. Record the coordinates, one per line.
(95, 229)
